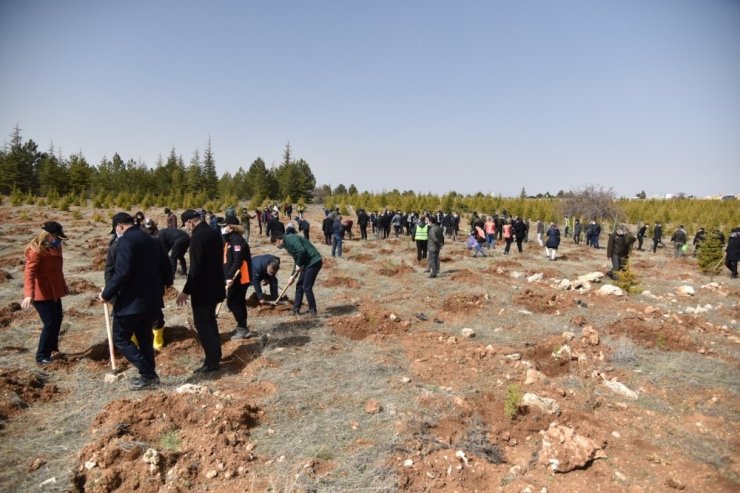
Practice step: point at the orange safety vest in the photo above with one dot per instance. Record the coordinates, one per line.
(243, 270)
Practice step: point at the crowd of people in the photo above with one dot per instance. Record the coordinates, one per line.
(142, 262)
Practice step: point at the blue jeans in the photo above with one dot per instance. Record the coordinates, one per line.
(51, 315)
(479, 249)
(336, 247)
(305, 283)
(491, 240)
(139, 325)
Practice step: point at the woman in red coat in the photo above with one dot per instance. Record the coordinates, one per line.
(44, 286)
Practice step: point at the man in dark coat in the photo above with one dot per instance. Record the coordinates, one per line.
(519, 232)
(618, 249)
(577, 232)
(205, 287)
(171, 218)
(327, 227)
(641, 233)
(176, 242)
(264, 271)
(141, 273)
(657, 236)
(732, 252)
(362, 220)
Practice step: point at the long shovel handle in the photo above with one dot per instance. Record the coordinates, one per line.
(291, 279)
(218, 307)
(109, 331)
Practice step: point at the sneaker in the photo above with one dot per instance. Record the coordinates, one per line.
(141, 383)
(241, 333)
(44, 361)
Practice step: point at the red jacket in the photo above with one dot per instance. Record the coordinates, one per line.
(43, 277)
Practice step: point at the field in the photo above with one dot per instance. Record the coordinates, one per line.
(385, 390)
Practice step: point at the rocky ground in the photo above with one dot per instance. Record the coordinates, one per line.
(503, 374)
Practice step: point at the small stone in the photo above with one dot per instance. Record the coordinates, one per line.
(393, 317)
(591, 277)
(676, 485)
(90, 464)
(565, 285)
(408, 463)
(516, 275)
(535, 277)
(590, 336)
(525, 312)
(545, 404)
(534, 376)
(190, 388)
(452, 340)
(621, 389)
(649, 309)
(513, 356)
(113, 377)
(36, 464)
(620, 476)
(212, 473)
(685, 290)
(467, 332)
(372, 406)
(568, 336)
(609, 289)
(515, 471)
(616, 434)
(405, 380)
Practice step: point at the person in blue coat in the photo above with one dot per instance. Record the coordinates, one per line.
(264, 272)
(142, 271)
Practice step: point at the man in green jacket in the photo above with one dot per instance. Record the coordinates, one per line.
(307, 265)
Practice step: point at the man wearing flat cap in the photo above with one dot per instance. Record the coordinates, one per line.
(140, 274)
(205, 286)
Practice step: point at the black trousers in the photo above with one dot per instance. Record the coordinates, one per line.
(139, 325)
(421, 249)
(51, 314)
(236, 300)
(732, 265)
(204, 317)
(177, 253)
(304, 285)
(363, 232)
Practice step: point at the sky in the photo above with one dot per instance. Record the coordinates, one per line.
(431, 96)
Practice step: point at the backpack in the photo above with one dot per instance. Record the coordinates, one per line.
(471, 242)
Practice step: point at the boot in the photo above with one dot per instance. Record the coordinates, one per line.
(241, 333)
(158, 338)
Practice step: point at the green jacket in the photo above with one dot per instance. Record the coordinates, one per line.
(302, 251)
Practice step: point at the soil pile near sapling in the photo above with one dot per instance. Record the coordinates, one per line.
(370, 321)
(7, 313)
(464, 303)
(198, 438)
(5, 276)
(338, 281)
(20, 389)
(97, 250)
(391, 269)
(541, 301)
(654, 333)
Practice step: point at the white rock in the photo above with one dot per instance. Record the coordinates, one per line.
(545, 404)
(616, 434)
(467, 332)
(535, 277)
(405, 380)
(568, 336)
(151, 456)
(582, 286)
(590, 335)
(621, 389)
(516, 275)
(90, 464)
(564, 450)
(563, 351)
(513, 356)
(609, 289)
(592, 277)
(408, 463)
(49, 481)
(393, 317)
(565, 285)
(191, 388)
(685, 290)
(211, 474)
(525, 312)
(533, 376)
(113, 377)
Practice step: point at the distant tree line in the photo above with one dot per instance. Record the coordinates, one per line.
(26, 169)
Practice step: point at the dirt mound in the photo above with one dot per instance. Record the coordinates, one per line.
(654, 334)
(19, 389)
(5, 276)
(11, 261)
(461, 275)
(366, 323)
(363, 257)
(6, 313)
(79, 286)
(459, 303)
(540, 301)
(345, 282)
(391, 269)
(198, 439)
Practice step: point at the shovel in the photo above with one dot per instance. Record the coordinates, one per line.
(218, 307)
(109, 331)
(290, 281)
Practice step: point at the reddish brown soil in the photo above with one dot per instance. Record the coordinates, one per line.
(540, 301)
(20, 389)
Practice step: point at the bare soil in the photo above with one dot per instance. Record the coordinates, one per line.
(382, 391)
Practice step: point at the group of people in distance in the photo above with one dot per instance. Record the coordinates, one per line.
(142, 262)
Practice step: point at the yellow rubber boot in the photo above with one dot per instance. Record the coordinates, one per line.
(158, 338)
(135, 340)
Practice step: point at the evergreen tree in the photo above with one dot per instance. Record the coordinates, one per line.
(194, 174)
(210, 177)
(80, 174)
(709, 255)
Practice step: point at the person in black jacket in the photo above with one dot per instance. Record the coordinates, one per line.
(641, 233)
(732, 252)
(176, 242)
(237, 273)
(362, 220)
(264, 271)
(205, 287)
(303, 226)
(141, 273)
(327, 226)
(519, 232)
(657, 236)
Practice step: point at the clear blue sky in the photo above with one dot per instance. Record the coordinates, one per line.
(432, 96)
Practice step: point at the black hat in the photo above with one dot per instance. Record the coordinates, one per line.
(54, 228)
(188, 215)
(167, 210)
(121, 218)
(226, 221)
